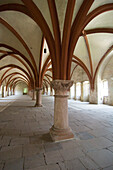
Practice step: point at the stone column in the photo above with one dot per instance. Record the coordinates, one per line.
(2, 91)
(13, 91)
(38, 97)
(82, 92)
(110, 91)
(51, 91)
(43, 91)
(9, 91)
(61, 130)
(6, 93)
(93, 98)
(33, 94)
(75, 92)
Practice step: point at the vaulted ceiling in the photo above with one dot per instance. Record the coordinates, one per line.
(71, 31)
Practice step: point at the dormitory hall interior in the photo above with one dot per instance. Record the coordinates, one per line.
(56, 84)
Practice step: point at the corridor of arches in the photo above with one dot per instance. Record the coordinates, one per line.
(60, 52)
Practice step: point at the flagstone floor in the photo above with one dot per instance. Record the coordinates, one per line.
(25, 143)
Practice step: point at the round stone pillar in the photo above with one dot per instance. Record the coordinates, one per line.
(93, 98)
(61, 130)
(38, 97)
(82, 92)
(51, 91)
(33, 94)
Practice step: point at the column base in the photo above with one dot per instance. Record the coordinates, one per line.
(38, 105)
(61, 134)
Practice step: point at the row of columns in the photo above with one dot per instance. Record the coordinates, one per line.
(60, 129)
(83, 96)
(4, 92)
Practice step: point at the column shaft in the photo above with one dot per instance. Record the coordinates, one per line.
(38, 97)
(61, 130)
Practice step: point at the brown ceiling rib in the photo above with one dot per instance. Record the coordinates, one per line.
(56, 30)
(66, 37)
(61, 51)
(21, 40)
(100, 62)
(15, 7)
(40, 62)
(15, 66)
(5, 73)
(41, 22)
(14, 73)
(45, 68)
(73, 71)
(77, 29)
(79, 62)
(15, 83)
(12, 55)
(47, 78)
(48, 75)
(14, 51)
(98, 11)
(99, 30)
(78, 22)
(89, 53)
(46, 81)
(11, 81)
(83, 65)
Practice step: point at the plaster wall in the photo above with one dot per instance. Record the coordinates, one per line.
(79, 75)
(108, 75)
(20, 88)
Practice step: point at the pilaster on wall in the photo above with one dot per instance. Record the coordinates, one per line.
(82, 92)
(51, 92)
(96, 93)
(75, 92)
(110, 91)
(93, 97)
(2, 91)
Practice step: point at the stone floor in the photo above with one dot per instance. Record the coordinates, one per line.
(25, 143)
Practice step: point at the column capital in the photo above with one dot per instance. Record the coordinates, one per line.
(32, 90)
(61, 85)
(38, 89)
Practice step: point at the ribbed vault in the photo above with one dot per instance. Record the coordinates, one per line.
(45, 40)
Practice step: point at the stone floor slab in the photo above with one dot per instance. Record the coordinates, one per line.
(74, 165)
(88, 163)
(10, 152)
(14, 165)
(111, 148)
(34, 161)
(24, 134)
(19, 141)
(32, 149)
(108, 168)
(52, 147)
(103, 158)
(53, 157)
